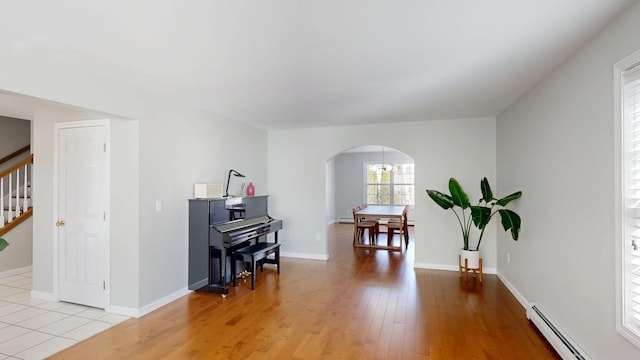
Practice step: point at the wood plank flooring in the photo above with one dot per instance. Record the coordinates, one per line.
(361, 304)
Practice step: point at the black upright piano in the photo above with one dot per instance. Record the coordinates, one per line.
(219, 226)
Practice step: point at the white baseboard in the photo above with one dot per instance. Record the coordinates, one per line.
(123, 310)
(305, 256)
(416, 265)
(164, 301)
(521, 299)
(199, 284)
(140, 312)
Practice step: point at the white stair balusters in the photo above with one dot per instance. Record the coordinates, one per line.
(17, 193)
(15, 197)
(2, 218)
(25, 204)
(9, 209)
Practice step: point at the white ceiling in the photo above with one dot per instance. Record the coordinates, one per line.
(288, 64)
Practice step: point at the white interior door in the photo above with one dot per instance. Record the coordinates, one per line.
(82, 209)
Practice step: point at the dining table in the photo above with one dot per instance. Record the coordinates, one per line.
(378, 212)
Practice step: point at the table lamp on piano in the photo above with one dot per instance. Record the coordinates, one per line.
(235, 173)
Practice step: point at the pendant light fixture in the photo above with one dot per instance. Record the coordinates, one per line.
(384, 166)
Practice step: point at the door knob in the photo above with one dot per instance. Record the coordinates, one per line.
(60, 223)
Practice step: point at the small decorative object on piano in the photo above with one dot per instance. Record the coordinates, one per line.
(251, 190)
(207, 191)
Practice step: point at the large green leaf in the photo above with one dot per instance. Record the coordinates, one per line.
(510, 220)
(481, 216)
(441, 199)
(458, 195)
(3, 244)
(487, 194)
(507, 199)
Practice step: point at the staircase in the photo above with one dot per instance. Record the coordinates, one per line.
(15, 189)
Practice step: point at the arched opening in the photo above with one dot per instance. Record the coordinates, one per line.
(368, 175)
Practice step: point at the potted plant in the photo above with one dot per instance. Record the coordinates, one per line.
(479, 215)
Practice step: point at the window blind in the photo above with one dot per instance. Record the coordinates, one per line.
(631, 272)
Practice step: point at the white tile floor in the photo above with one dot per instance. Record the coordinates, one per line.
(34, 329)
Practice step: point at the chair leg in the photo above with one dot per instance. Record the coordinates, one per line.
(401, 233)
(253, 273)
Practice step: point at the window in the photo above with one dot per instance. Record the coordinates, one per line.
(628, 244)
(391, 184)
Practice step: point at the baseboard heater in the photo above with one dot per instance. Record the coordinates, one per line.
(565, 347)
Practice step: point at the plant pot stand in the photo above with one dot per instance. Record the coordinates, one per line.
(465, 267)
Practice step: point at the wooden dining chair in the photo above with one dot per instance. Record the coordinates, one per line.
(360, 225)
(399, 226)
(377, 230)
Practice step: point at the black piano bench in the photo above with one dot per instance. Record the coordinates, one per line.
(254, 254)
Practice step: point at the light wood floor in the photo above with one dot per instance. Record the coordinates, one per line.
(361, 304)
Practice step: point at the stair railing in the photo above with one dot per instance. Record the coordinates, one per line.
(14, 154)
(12, 181)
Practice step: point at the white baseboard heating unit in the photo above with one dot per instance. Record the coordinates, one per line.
(565, 347)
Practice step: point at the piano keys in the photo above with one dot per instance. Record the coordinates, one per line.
(213, 235)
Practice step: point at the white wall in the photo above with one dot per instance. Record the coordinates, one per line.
(14, 134)
(152, 160)
(124, 231)
(330, 191)
(177, 150)
(19, 252)
(42, 196)
(156, 157)
(124, 282)
(557, 145)
(464, 149)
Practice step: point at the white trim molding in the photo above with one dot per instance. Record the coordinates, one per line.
(626, 64)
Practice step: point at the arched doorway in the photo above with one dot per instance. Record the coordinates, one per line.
(368, 175)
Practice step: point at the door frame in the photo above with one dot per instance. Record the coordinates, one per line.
(56, 201)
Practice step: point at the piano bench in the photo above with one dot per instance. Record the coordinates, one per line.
(254, 254)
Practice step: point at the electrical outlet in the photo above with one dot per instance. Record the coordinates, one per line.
(508, 257)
